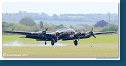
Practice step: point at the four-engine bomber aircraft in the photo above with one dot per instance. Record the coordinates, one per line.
(67, 34)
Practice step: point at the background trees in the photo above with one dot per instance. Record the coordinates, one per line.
(8, 26)
(28, 24)
(27, 21)
(111, 27)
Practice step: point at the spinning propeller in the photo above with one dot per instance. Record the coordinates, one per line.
(91, 33)
(44, 32)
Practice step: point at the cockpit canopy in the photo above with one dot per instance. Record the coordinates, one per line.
(66, 31)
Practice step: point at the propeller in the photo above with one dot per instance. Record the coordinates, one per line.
(46, 29)
(44, 32)
(79, 34)
(91, 33)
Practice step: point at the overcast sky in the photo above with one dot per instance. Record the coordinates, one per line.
(60, 7)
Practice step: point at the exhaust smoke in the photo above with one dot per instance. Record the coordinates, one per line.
(18, 43)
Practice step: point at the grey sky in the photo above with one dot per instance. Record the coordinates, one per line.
(60, 7)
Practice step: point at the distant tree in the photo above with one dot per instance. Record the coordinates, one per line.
(8, 26)
(55, 17)
(60, 26)
(20, 27)
(111, 27)
(11, 26)
(41, 25)
(27, 21)
(4, 26)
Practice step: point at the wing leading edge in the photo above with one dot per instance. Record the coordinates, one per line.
(18, 32)
(98, 33)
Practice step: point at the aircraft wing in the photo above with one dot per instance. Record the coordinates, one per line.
(98, 33)
(18, 32)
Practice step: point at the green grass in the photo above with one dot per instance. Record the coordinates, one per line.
(11, 38)
(65, 51)
(102, 46)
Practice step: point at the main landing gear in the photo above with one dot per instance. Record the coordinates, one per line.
(52, 42)
(45, 43)
(75, 42)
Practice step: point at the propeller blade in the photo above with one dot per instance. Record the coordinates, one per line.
(91, 33)
(44, 32)
(46, 29)
(79, 35)
(78, 38)
(93, 36)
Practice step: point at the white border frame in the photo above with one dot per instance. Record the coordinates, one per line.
(1, 58)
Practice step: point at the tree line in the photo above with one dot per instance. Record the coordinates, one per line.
(28, 24)
(60, 17)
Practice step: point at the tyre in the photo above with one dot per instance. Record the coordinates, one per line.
(52, 42)
(75, 42)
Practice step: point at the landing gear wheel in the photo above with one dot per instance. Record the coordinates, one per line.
(52, 42)
(75, 42)
(45, 43)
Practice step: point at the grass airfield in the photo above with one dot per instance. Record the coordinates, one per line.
(101, 46)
